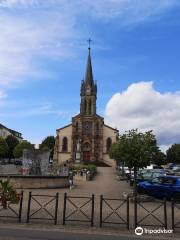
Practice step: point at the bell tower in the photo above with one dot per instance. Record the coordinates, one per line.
(88, 90)
(87, 131)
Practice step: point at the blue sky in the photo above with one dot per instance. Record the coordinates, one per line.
(135, 55)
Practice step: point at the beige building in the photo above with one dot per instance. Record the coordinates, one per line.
(4, 132)
(87, 139)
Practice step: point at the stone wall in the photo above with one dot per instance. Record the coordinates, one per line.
(34, 182)
(9, 169)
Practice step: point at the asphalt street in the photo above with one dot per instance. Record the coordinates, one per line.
(24, 234)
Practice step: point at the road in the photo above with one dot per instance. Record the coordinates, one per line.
(24, 234)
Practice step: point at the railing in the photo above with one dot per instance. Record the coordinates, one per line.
(116, 207)
(77, 207)
(81, 209)
(175, 206)
(150, 213)
(37, 206)
(12, 210)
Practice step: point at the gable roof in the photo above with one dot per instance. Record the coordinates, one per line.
(115, 129)
(13, 132)
(63, 127)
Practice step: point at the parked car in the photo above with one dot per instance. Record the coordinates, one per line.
(175, 170)
(154, 166)
(148, 175)
(166, 186)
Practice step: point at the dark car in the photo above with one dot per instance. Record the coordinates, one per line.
(162, 187)
(148, 175)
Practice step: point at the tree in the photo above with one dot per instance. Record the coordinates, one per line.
(173, 154)
(48, 144)
(114, 152)
(159, 158)
(3, 148)
(18, 150)
(12, 142)
(135, 149)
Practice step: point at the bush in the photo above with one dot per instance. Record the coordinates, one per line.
(8, 193)
(84, 167)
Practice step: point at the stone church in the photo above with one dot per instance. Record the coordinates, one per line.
(87, 138)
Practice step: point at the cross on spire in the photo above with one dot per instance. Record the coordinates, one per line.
(89, 42)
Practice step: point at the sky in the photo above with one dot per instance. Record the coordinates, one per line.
(135, 56)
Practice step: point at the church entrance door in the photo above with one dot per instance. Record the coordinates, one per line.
(86, 156)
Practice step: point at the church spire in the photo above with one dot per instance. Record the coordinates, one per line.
(89, 73)
(88, 89)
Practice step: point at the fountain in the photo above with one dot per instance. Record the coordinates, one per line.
(38, 172)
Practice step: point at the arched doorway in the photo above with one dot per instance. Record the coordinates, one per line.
(86, 152)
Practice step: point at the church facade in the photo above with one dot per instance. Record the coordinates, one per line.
(86, 139)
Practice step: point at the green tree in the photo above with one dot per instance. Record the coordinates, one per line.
(18, 150)
(48, 144)
(3, 148)
(135, 149)
(12, 142)
(114, 152)
(173, 154)
(159, 158)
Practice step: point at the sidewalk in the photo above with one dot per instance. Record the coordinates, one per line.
(87, 230)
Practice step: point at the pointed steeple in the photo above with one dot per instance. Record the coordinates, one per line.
(89, 73)
(88, 89)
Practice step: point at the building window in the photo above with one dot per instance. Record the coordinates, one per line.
(87, 127)
(97, 128)
(108, 144)
(76, 126)
(86, 146)
(89, 107)
(65, 144)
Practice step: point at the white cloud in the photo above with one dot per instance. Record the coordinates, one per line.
(31, 30)
(30, 109)
(26, 38)
(142, 107)
(129, 11)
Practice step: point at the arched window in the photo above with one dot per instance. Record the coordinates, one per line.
(97, 127)
(89, 107)
(85, 106)
(76, 126)
(65, 144)
(108, 144)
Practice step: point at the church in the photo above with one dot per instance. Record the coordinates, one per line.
(87, 138)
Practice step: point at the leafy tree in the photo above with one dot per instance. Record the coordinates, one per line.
(135, 149)
(159, 158)
(3, 148)
(114, 152)
(12, 142)
(48, 144)
(173, 154)
(18, 150)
